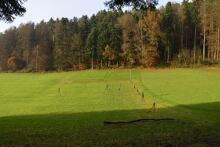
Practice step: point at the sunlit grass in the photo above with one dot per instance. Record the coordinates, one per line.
(68, 109)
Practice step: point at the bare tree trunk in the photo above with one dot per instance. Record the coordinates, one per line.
(37, 58)
(92, 59)
(168, 53)
(204, 32)
(216, 47)
(217, 54)
(182, 36)
(194, 51)
(204, 41)
(186, 39)
(79, 58)
(27, 58)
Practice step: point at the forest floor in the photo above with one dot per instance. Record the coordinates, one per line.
(70, 108)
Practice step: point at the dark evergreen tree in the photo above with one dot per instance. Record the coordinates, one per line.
(11, 8)
(136, 4)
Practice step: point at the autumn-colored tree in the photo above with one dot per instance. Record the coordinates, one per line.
(109, 55)
(130, 52)
(182, 34)
(15, 64)
(151, 26)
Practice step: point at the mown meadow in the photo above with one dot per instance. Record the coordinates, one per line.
(70, 108)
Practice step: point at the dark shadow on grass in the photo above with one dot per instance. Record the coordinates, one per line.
(194, 125)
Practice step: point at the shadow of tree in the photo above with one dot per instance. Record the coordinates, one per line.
(194, 125)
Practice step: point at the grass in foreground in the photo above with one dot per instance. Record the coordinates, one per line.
(68, 109)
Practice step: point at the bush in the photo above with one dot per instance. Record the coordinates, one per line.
(82, 67)
(151, 58)
(183, 59)
(15, 64)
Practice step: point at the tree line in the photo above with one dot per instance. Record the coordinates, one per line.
(174, 35)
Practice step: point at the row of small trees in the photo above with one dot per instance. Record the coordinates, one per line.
(177, 34)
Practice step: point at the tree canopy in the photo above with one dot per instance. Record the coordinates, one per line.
(135, 4)
(11, 8)
(178, 35)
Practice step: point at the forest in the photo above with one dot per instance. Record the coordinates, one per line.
(175, 35)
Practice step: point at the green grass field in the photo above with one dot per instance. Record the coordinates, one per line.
(68, 109)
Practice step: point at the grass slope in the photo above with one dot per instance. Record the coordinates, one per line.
(68, 109)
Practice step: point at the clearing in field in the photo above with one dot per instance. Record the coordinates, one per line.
(69, 109)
